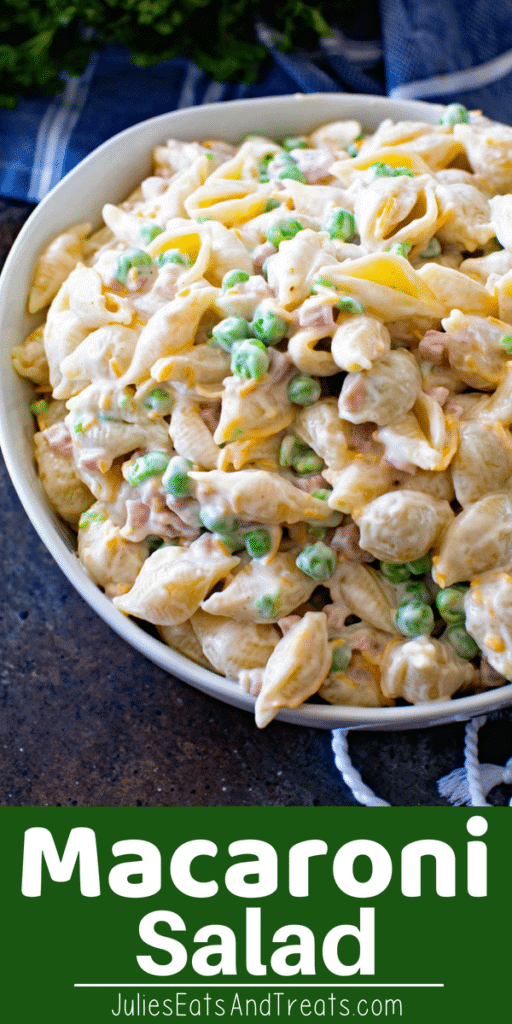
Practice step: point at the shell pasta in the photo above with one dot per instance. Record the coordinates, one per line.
(273, 397)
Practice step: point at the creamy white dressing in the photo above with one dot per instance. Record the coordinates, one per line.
(389, 355)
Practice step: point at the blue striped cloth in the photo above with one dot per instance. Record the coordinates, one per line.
(455, 50)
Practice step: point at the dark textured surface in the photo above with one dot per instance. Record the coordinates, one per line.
(87, 721)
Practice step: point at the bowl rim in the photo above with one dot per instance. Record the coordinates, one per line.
(54, 534)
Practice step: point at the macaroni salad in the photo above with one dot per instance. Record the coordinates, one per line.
(274, 398)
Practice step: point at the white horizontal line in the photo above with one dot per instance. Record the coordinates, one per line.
(258, 984)
(457, 81)
(353, 49)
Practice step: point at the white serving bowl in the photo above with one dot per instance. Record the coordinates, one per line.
(108, 175)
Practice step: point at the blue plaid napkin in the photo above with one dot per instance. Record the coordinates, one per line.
(454, 50)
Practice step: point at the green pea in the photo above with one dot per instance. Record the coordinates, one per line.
(324, 281)
(417, 590)
(282, 161)
(317, 561)
(284, 156)
(269, 605)
(233, 328)
(90, 517)
(323, 494)
(136, 259)
(400, 249)
(463, 644)
(454, 113)
(283, 231)
(294, 173)
(308, 463)
(173, 256)
(450, 604)
(264, 269)
(341, 658)
(420, 565)
(234, 277)
(382, 170)
(232, 541)
(258, 542)
(249, 359)
(153, 542)
(158, 400)
(263, 166)
(432, 250)
(303, 390)
(414, 618)
(147, 233)
(217, 521)
(297, 142)
(294, 453)
(268, 327)
(266, 159)
(353, 147)
(176, 480)
(291, 448)
(271, 204)
(395, 573)
(506, 341)
(147, 466)
(38, 407)
(340, 224)
(349, 304)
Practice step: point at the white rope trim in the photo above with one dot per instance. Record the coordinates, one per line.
(471, 784)
(472, 764)
(468, 785)
(350, 775)
(456, 81)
